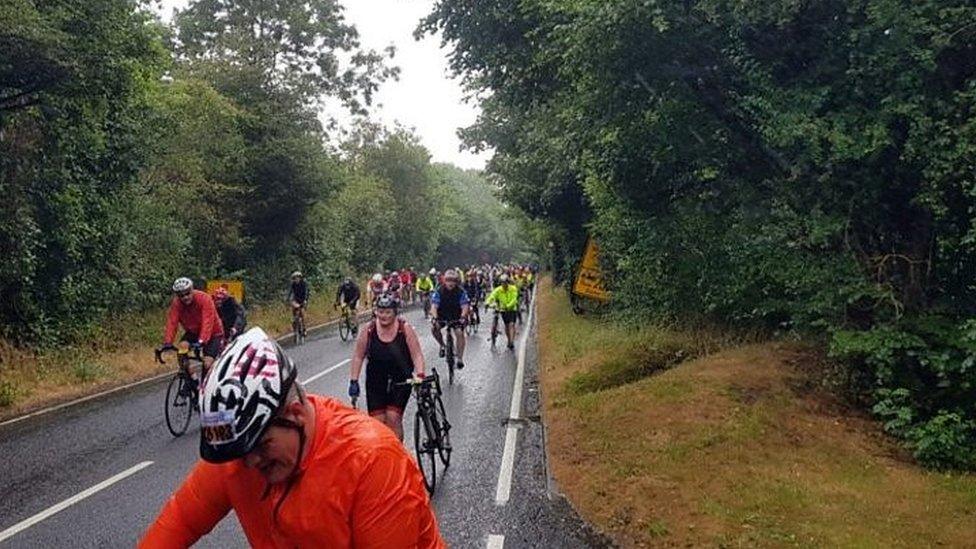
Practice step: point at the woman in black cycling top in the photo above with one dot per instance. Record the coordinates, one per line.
(392, 352)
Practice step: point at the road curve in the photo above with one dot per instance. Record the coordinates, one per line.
(96, 474)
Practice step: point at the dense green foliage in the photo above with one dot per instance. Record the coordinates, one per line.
(133, 152)
(792, 166)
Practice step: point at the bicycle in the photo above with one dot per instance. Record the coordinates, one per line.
(183, 392)
(431, 429)
(347, 327)
(449, 347)
(494, 326)
(474, 320)
(425, 301)
(297, 325)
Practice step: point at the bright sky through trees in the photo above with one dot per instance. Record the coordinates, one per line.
(425, 97)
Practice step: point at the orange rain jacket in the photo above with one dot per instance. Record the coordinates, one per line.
(358, 488)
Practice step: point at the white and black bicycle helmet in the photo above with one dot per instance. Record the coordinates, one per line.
(182, 284)
(241, 395)
(387, 301)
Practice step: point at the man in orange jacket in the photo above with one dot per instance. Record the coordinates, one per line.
(196, 312)
(298, 470)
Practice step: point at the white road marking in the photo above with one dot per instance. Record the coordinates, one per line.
(326, 371)
(495, 541)
(58, 507)
(504, 487)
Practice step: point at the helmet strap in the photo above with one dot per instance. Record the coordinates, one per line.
(293, 476)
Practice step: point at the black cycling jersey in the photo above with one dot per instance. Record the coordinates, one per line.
(348, 294)
(388, 363)
(449, 302)
(231, 315)
(299, 291)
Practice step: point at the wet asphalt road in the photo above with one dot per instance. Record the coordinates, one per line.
(54, 457)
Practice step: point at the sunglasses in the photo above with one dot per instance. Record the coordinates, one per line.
(184, 294)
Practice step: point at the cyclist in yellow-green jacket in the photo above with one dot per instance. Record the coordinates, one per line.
(506, 299)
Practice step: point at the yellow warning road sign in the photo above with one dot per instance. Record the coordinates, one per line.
(589, 279)
(234, 288)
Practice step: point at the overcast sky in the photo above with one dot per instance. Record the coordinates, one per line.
(425, 98)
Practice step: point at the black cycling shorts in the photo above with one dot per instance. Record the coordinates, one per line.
(509, 317)
(382, 391)
(211, 348)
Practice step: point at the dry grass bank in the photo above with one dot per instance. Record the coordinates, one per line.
(728, 448)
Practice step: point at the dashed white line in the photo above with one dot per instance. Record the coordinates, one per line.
(326, 371)
(503, 489)
(495, 541)
(58, 507)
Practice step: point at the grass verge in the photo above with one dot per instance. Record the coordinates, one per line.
(665, 438)
(116, 353)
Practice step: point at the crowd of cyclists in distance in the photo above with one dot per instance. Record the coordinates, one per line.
(302, 469)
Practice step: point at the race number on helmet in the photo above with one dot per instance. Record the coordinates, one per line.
(241, 394)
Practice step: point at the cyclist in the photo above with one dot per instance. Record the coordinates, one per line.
(450, 304)
(375, 288)
(195, 311)
(506, 298)
(297, 469)
(348, 296)
(424, 286)
(298, 295)
(393, 285)
(231, 313)
(406, 286)
(392, 352)
(472, 286)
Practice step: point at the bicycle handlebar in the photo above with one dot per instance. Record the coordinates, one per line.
(160, 351)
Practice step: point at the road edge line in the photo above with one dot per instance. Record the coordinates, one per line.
(503, 489)
(132, 385)
(496, 541)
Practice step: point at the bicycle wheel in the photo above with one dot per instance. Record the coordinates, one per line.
(423, 446)
(449, 356)
(178, 407)
(345, 329)
(444, 440)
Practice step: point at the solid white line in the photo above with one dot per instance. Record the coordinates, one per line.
(495, 541)
(326, 371)
(504, 488)
(516, 409)
(56, 508)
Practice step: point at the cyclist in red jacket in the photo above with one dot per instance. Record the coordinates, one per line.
(196, 312)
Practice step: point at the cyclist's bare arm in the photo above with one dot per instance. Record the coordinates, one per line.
(387, 515)
(359, 354)
(193, 511)
(413, 345)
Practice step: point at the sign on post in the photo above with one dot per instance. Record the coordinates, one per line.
(589, 280)
(234, 288)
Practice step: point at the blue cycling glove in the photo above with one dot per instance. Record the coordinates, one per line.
(354, 388)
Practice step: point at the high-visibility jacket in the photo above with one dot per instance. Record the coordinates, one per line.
(358, 487)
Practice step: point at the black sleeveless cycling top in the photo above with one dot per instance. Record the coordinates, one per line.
(394, 356)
